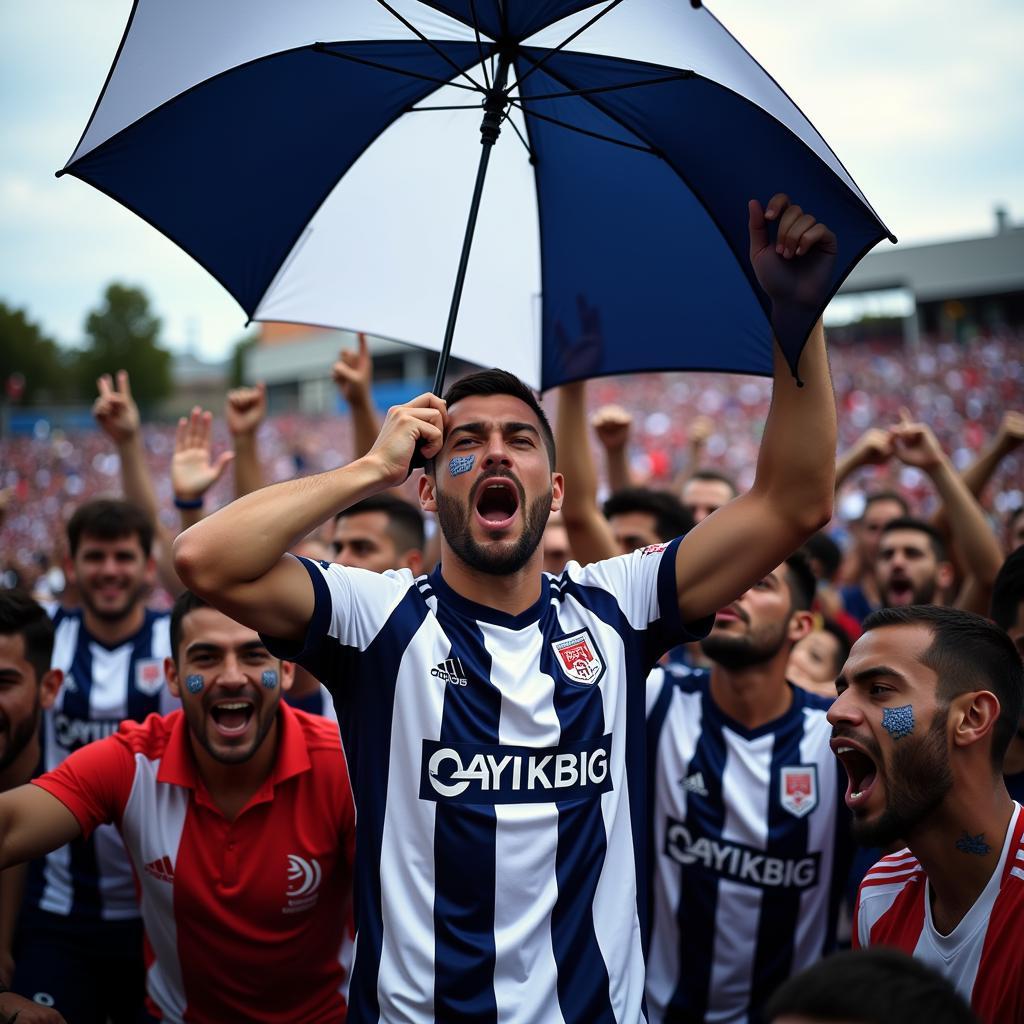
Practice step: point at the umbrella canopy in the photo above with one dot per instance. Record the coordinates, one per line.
(297, 152)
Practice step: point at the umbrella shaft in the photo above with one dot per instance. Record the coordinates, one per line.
(494, 107)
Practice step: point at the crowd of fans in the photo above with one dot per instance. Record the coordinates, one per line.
(930, 439)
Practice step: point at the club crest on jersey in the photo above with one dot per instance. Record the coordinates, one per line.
(798, 789)
(304, 878)
(149, 676)
(579, 657)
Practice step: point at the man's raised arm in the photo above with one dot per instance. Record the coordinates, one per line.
(236, 558)
(791, 497)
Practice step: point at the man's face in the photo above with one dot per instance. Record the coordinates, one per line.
(889, 731)
(812, 663)
(362, 540)
(868, 531)
(556, 547)
(113, 576)
(229, 684)
(907, 569)
(634, 530)
(23, 696)
(492, 504)
(755, 627)
(702, 497)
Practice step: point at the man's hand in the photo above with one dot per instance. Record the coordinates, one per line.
(23, 1011)
(246, 409)
(612, 424)
(192, 471)
(1011, 432)
(700, 430)
(353, 373)
(115, 409)
(424, 418)
(914, 444)
(872, 448)
(794, 270)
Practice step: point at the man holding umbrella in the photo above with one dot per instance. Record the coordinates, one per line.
(493, 716)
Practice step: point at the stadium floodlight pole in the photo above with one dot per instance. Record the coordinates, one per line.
(495, 103)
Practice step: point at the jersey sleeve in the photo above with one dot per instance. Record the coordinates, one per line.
(94, 782)
(351, 606)
(644, 584)
(861, 938)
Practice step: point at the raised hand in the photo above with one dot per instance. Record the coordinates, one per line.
(1011, 431)
(353, 373)
(246, 409)
(796, 268)
(423, 418)
(873, 447)
(914, 444)
(192, 471)
(115, 410)
(612, 424)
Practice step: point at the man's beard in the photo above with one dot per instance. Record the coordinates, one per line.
(500, 559)
(20, 737)
(922, 593)
(132, 598)
(916, 782)
(739, 652)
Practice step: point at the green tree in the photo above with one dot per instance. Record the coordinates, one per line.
(26, 350)
(124, 334)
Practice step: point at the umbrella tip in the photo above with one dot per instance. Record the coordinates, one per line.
(695, 4)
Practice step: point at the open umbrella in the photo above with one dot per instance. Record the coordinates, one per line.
(319, 158)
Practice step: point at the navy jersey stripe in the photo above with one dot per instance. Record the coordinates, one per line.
(655, 723)
(464, 956)
(583, 984)
(140, 704)
(787, 837)
(698, 893)
(364, 713)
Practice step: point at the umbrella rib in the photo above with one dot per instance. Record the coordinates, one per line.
(479, 44)
(678, 77)
(456, 106)
(565, 42)
(430, 42)
(322, 48)
(515, 128)
(584, 131)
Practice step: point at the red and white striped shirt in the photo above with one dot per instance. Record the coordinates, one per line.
(983, 956)
(244, 919)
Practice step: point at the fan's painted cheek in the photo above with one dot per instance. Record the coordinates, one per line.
(461, 464)
(270, 678)
(898, 722)
(195, 683)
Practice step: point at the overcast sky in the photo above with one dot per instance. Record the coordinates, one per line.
(922, 101)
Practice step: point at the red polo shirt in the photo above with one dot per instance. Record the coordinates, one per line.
(244, 919)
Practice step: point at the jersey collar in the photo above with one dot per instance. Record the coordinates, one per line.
(484, 613)
(178, 765)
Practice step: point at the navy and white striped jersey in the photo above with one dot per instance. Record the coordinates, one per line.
(749, 845)
(498, 769)
(92, 879)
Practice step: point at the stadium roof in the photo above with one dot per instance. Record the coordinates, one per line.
(991, 265)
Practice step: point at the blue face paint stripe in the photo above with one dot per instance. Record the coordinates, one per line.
(898, 722)
(461, 464)
(269, 678)
(194, 683)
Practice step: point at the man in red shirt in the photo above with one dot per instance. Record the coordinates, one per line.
(238, 818)
(928, 701)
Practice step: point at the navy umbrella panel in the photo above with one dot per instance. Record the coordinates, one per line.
(318, 159)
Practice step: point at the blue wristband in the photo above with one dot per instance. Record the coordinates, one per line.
(186, 505)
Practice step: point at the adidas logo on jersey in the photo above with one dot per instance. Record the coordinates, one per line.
(451, 671)
(161, 869)
(695, 784)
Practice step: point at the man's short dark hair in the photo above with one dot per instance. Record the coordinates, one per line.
(967, 653)
(713, 476)
(935, 538)
(671, 517)
(501, 382)
(825, 550)
(1008, 590)
(185, 603)
(405, 521)
(802, 583)
(21, 616)
(110, 519)
(869, 986)
(878, 496)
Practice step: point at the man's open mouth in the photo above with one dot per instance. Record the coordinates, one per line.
(900, 591)
(232, 717)
(497, 503)
(861, 771)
